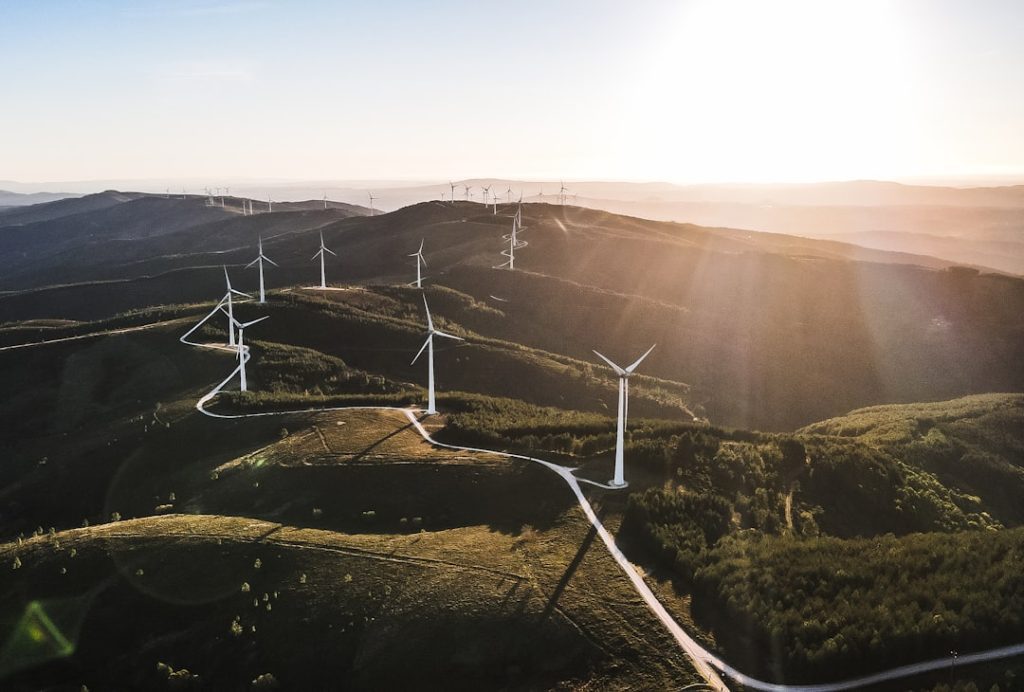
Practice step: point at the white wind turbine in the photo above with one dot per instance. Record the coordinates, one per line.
(561, 193)
(420, 262)
(371, 203)
(487, 190)
(468, 188)
(243, 350)
(428, 345)
(228, 299)
(260, 259)
(513, 244)
(620, 434)
(321, 253)
(508, 195)
(270, 205)
(452, 186)
(325, 200)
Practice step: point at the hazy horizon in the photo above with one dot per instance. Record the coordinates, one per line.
(687, 93)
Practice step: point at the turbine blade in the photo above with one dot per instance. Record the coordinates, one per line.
(318, 253)
(252, 263)
(430, 322)
(446, 335)
(249, 324)
(331, 251)
(271, 261)
(619, 371)
(239, 293)
(420, 352)
(420, 251)
(637, 362)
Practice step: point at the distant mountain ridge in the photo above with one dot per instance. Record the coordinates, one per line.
(19, 199)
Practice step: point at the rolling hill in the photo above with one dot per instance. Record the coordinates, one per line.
(769, 331)
(777, 439)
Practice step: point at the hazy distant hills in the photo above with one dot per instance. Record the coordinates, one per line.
(770, 331)
(17, 199)
(975, 219)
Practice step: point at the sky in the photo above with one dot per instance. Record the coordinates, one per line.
(686, 91)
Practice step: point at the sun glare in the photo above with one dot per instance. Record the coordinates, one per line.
(789, 90)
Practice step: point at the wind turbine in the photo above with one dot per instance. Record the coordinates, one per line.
(321, 254)
(259, 260)
(228, 298)
(561, 193)
(487, 189)
(452, 186)
(508, 195)
(419, 261)
(325, 199)
(619, 481)
(428, 345)
(513, 244)
(270, 205)
(468, 188)
(243, 352)
(371, 202)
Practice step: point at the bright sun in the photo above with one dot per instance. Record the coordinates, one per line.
(782, 90)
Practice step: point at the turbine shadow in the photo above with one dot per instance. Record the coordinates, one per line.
(568, 574)
(397, 431)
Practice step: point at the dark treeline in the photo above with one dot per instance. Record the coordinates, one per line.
(826, 608)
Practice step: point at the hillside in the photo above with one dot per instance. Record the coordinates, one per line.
(103, 428)
(769, 331)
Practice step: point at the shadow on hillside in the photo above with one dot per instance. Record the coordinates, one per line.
(359, 456)
(570, 570)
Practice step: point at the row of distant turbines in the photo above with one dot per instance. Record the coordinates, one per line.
(489, 198)
(226, 306)
(215, 197)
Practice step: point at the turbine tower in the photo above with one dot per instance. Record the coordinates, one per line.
(260, 259)
(452, 186)
(325, 199)
(513, 244)
(321, 253)
(428, 345)
(371, 203)
(243, 351)
(420, 262)
(270, 205)
(620, 434)
(228, 298)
